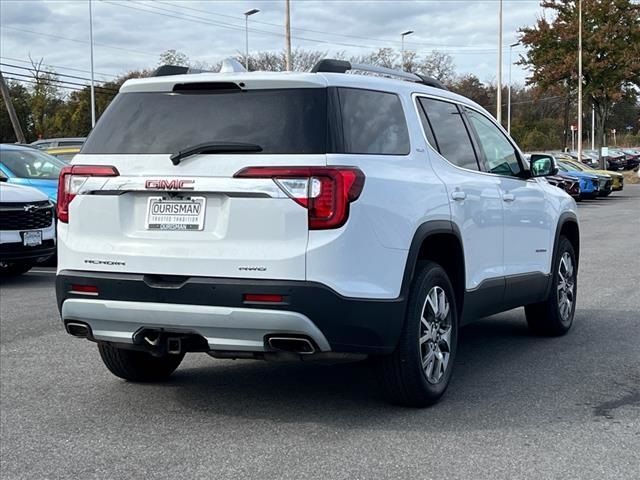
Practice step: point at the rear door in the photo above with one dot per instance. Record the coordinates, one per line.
(196, 217)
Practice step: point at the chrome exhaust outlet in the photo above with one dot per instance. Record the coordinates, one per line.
(77, 329)
(299, 345)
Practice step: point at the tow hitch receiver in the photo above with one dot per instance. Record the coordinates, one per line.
(174, 345)
(160, 342)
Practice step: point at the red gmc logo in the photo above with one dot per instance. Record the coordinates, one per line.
(169, 184)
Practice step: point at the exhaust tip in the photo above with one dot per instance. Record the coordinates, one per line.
(77, 329)
(299, 345)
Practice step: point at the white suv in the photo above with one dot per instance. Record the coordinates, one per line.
(317, 215)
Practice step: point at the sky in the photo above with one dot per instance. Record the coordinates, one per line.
(131, 34)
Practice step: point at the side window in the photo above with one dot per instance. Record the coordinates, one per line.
(373, 122)
(499, 154)
(426, 126)
(450, 133)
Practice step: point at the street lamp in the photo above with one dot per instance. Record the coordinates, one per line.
(509, 91)
(247, 14)
(93, 91)
(402, 35)
(499, 89)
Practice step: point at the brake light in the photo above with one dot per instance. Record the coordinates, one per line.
(325, 192)
(70, 183)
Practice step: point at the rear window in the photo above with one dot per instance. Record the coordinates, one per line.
(281, 121)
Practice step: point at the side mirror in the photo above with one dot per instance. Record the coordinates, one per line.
(543, 165)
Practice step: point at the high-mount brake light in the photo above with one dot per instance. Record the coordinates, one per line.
(70, 183)
(325, 192)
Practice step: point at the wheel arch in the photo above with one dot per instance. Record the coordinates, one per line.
(568, 227)
(441, 242)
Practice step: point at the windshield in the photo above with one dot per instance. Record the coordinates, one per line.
(281, 121)
(579, 167)
(31, 164)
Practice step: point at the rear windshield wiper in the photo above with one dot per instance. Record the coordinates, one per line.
(215, 147)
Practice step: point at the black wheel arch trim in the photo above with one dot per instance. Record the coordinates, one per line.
(422, 233)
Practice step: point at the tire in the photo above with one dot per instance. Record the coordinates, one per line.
(14, 269)
(403, 378)
(138, 366)
(548, 318)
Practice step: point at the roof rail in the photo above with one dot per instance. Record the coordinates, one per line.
(342, 66)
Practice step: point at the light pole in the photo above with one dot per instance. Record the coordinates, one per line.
(93, 93)
(509, 99)
(499, 91)
(402, 35)
(247, 14)
(579, 139)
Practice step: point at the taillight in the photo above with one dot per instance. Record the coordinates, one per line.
(325, 192)
(71, 180)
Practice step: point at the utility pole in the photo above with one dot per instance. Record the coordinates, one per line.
(579, 80)
(15, 122)
(593, 127)
(499, 92)
(509, 100)
(287, 35)
(93, 92)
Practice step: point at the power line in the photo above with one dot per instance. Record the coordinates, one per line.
(197, 19)
(359, 37)
(49, 72)
(59, 67)
(80, 41)
(75, 89)
(59, 83)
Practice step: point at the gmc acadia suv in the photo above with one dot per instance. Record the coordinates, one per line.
(306, 215)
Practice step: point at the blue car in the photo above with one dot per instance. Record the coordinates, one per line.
(28, 166)
(589, 184)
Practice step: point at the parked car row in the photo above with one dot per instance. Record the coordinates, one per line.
(580, 180)
(618, 158)
(28, 193)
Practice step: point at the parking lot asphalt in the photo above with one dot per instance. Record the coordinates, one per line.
(519, 406)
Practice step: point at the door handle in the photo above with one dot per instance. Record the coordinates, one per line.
(508, 197)
(458, 195)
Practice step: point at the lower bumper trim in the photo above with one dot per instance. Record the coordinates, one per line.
(236, 329)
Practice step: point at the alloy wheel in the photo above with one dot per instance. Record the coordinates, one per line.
(435, 335)
(566, 287)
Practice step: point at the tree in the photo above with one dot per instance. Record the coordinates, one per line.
(301, 60)
(471, 87)
(611, 51)
(173, 57)
(438, 65)
(45, 97)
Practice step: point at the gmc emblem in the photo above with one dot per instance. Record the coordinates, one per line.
(169, 184)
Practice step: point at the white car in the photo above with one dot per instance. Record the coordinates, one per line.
(320, 215)
(27, 228)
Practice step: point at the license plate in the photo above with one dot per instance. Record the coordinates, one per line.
(32, 239)
(170, 214)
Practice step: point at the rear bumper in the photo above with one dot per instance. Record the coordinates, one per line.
(215, 308)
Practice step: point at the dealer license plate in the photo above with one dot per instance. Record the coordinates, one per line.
(171, 214)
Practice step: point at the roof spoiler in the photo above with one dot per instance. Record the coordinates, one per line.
(228, 65)
(329, 65)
